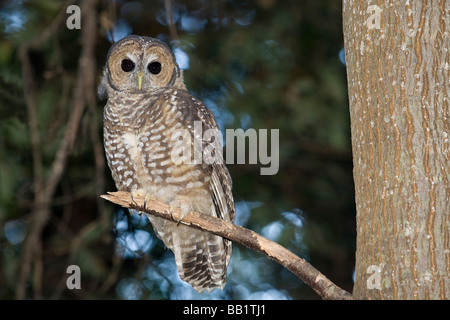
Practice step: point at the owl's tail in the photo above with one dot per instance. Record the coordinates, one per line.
(201, 258)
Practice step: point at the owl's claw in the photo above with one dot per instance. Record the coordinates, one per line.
(171, 210)
(179, 221)
(147, 197)
(182, 216)
(133, 194)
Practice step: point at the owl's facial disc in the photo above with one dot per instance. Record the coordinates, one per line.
(140, 64)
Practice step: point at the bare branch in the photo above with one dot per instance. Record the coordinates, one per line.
(252, 240)
(169, 20)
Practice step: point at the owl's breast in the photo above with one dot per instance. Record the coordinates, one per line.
(149, 146)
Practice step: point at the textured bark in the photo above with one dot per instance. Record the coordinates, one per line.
(397, 56)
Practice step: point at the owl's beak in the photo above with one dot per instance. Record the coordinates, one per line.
(140, 76)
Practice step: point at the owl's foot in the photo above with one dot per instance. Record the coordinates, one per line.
(184, 210)
(147, 197)
(182, 217)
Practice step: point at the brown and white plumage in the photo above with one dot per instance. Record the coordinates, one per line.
(147, 106)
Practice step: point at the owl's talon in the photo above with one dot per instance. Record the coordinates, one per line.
(171, 211)
(133, 193)
(182, 217)
(147, 197)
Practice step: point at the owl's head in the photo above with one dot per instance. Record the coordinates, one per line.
(138, 64)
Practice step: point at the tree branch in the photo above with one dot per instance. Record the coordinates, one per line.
(169, 20)
(300, 267)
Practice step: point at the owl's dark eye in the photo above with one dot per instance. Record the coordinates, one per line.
(127, 65)
(154, 67)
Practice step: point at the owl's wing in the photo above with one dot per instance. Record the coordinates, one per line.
(221, 187)
(220, 183)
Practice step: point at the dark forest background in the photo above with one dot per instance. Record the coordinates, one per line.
(262, 64)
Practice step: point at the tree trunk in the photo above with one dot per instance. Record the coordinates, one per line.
(397, 56)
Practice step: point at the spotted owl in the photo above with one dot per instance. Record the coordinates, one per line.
(147, 106)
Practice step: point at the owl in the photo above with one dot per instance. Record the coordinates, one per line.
(148, 110)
